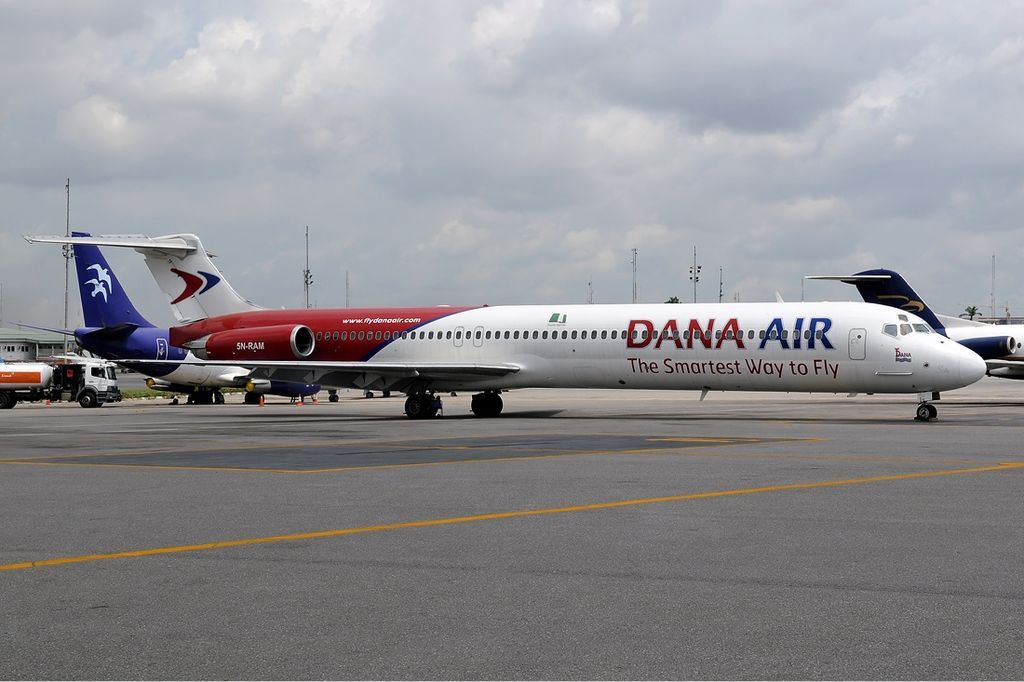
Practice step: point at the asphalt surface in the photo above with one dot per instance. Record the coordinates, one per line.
(582, 534)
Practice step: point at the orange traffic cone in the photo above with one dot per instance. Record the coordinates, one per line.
(262, 400)
(315, 401)
(47, 402)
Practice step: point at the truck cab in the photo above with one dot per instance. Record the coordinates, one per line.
(89, 382)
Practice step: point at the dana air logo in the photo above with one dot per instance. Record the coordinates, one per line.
(902, 356)
(198, 283)
(557, 318)
(101, 283)
(904, 302)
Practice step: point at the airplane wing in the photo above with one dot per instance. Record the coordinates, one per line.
(1006, 369)
(390, 375)
(950, 321)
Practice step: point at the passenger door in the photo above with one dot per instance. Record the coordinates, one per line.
(858, 344)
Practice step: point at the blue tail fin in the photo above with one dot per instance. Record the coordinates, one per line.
(104, 301)
(895, 293)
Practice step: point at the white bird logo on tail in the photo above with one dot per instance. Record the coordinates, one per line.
(102, 276)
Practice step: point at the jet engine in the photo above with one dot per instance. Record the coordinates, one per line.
(278, 342)
(991, 347)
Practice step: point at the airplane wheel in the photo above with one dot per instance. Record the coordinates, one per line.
(933, 412)
(218, 398)
(251, 398)
(925, 412)
(486, 404)
(419, 406)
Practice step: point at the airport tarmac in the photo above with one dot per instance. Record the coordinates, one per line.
(582, 534)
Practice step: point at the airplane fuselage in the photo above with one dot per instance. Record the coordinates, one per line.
(814, 347)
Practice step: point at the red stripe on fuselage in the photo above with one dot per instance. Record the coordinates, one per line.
(373, 323)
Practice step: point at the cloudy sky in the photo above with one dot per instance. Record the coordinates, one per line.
(513, 151)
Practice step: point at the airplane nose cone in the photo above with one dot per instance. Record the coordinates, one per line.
(972, 367)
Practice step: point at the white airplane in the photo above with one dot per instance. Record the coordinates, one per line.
(1000, 345)
(794, 347)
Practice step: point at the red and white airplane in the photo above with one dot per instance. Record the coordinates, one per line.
(794, 347)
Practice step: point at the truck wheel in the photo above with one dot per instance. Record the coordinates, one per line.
(88, 399)
(7, 401)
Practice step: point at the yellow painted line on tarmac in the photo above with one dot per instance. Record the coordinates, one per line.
(496, 516)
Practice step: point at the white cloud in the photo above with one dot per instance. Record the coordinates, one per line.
(519, 148)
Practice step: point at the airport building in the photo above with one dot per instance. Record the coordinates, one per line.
(20, 345)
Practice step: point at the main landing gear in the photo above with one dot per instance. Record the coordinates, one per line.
(486, 404)
(205, 397)
(422, 405)
(926, 412)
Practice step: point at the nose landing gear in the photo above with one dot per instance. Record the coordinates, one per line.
(926, 412)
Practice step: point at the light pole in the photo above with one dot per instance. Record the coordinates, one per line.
(695, 274)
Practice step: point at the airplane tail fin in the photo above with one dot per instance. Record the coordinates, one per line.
(104, 301)
(183, 270)
(194, 286)
(887, 287)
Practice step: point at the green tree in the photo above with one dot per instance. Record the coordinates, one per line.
(674, 299)
(970, 312)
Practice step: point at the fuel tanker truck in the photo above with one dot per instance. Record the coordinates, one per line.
(89, 382)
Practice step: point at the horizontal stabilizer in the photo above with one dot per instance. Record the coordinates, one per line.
(65, 332)
(850, 279)
(115, 332)
(175, 246)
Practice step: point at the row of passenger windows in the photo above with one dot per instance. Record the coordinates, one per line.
(516, 335)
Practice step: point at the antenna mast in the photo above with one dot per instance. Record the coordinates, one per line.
(633, 261)
(67, 250)
(307, 278)
(719, 283)
(992, 293)
(346, 289)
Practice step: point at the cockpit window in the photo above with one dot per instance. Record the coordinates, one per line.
(889, 329)
(903, 318)
(918, 327)
(905, 329)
